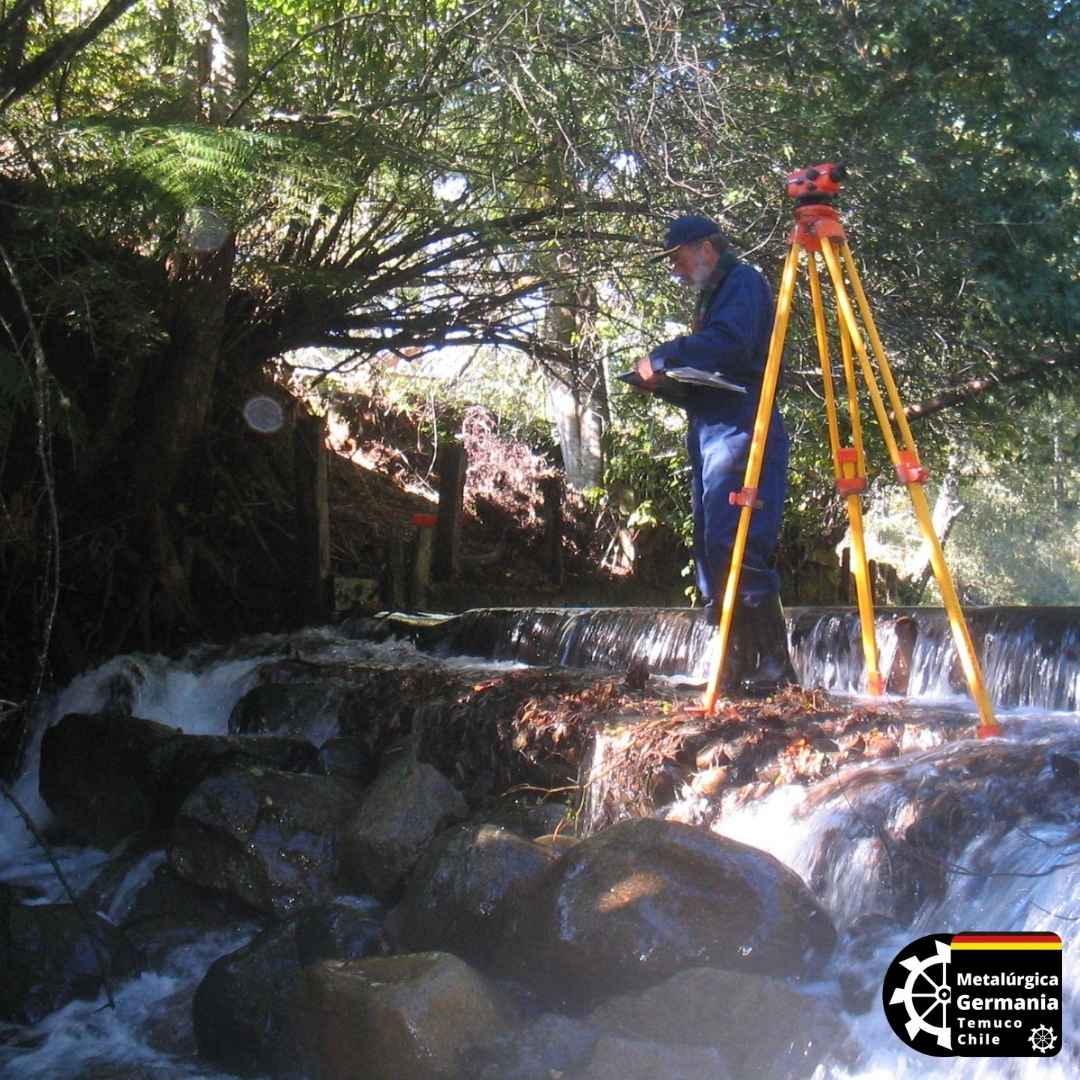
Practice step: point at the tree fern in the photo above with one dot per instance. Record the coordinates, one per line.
(229, 170)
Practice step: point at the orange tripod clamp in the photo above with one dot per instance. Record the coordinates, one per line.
(746, 497)
(849, 482)
(909, 470)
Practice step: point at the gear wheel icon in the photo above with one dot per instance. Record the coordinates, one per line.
(1042, 1039)
(926, 995)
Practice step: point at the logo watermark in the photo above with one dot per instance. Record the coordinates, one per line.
(977, 994)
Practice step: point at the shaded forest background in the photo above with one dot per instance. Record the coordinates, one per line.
(335, 202)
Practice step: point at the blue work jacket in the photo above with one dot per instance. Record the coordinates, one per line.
(731, 337)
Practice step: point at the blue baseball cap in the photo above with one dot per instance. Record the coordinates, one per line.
(688, 229)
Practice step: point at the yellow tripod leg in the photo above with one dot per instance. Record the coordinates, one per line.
(845, 470)
(909, 470)
(875, 683)
(753, 473)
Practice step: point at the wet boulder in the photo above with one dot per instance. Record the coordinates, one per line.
(453, 897)
(267, 838)
(616, 1058)
(398, 1016)
(348, 759)
(372, 701)
(168, 1026)
(240, 1010)
(94, 775)
(308, 709)
(348, 928)
(645, 899)
(107, 775)
(192, 758)
(401, 813)
(549, 1045)
(762, 1026)
(51, 954)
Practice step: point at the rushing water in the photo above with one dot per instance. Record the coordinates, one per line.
(1022, 878)
(1030, 656)
(1018, 873)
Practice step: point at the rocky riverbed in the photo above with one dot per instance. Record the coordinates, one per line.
(452, 873)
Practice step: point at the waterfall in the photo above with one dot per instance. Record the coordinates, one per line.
(1030, 656)
(669, 641)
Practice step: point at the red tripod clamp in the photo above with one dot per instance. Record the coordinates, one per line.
(909, 471)
(850, 483)
(746, 497)
(812, 223)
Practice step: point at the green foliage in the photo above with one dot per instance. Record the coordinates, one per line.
(401, 176)
(1015, 539)
(225, 169)
(646, 465)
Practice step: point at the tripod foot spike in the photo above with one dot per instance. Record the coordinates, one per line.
(875, 684)
(989, 731)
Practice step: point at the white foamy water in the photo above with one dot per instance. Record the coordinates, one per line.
(1026, 879)
(87, 1033)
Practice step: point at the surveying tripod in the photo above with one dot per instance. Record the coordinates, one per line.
(818, 231)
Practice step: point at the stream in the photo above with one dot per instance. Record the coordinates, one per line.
(1014, 864)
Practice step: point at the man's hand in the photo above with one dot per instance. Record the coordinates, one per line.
(644, 369)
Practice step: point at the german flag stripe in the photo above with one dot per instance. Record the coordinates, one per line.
(986, 946)
(1006, 941)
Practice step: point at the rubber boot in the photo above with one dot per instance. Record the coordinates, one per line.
(765, 664)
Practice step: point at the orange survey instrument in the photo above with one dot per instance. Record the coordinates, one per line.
(818, 232)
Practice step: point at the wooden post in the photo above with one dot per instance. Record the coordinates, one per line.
(907, 634)
(451, 464)
(396, 581)
(314, 584)
(552, 489)
(421, 563)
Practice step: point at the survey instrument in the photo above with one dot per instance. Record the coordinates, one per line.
(819, 233)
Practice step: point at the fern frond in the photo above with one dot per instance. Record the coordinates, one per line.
(227, 169)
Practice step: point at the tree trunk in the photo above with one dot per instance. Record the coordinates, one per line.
(178, 391)
(577, 393)
(947, 511)
(580, 428)
(228, 60)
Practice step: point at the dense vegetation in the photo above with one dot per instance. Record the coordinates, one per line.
(192, 190)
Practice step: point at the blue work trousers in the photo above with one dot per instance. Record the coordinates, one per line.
(718, 452)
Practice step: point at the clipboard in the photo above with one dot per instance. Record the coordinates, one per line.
(677, 384)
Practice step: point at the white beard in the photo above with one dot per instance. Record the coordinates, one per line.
(698, 273)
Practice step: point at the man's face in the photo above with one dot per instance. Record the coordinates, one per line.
(691, 264)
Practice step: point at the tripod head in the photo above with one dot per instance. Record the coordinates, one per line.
(815, 185)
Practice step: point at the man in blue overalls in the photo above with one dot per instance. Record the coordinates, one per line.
(730, 336)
